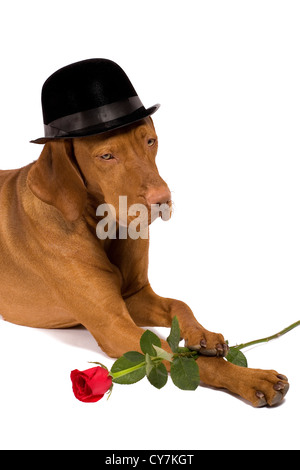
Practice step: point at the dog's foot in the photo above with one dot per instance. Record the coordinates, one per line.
(265, 387)
(206, 342)
(259, 387)
(274, 388)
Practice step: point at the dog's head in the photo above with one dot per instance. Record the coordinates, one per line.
(106, 166)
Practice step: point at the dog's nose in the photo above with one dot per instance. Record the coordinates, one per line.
(160, 195)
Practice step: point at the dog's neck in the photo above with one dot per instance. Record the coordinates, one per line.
(90, 210)
(91, 219)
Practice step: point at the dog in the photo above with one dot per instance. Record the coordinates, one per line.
(56, 272)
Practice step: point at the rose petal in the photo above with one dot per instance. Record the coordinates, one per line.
(89, 386)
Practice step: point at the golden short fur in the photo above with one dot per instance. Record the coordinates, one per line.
(56, 273)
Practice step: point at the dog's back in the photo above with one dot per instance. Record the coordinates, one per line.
(25, 295)
(10, 205)
(14, 272)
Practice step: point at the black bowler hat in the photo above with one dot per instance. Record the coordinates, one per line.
(88, 98)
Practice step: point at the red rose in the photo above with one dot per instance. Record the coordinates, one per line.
(90, 385)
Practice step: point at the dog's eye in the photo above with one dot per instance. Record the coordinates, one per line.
(107, 156)
(151, 142)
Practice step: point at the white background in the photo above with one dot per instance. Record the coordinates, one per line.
(227, 74)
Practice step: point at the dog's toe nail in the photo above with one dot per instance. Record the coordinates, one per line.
(279, 386)
(278, 397)
(282, 377)
(285, 390)
(262, 399)
(203, 343)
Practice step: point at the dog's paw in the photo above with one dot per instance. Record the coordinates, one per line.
(206, 342)
(268, 388)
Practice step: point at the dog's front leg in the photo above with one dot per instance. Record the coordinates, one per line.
(95, 300)
(115, 324)
(149, 309)
(260, 387)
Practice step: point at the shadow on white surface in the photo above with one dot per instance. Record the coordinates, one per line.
(77, 336)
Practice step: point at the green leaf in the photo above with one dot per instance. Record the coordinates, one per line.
(125, 371)
(147, 341)
(163, 354)
(174, 337)
(235, 356)
(134, 356)
(183, 350)
(156, 372)
(185, 373)
(158, 376)
(149, 364)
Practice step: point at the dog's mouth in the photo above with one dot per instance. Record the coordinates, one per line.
(145, 219)
(143, 213)
(163, 211)
(131, 221)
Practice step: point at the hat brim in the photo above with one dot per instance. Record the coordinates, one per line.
(136, 116)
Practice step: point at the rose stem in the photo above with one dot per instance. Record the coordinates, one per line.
(269, 338)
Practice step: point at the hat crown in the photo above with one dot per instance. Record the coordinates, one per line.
(87, 98)
(83, 86)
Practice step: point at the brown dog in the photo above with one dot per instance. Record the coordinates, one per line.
(56, 273)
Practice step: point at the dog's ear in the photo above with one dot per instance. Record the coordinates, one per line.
(55, 180)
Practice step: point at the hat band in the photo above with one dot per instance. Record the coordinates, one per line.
(103, 114)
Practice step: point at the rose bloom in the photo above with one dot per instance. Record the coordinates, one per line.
(90, 385)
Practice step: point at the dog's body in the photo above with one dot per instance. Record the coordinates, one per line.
(56, 273)
(30, 283)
